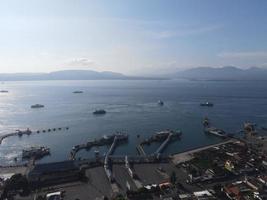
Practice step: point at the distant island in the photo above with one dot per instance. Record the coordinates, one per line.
(227, 73)
(71, 75)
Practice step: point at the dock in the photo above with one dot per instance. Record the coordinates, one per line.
(17, 133)
(20, 133)
(105, 140)
(140, 150)
(107, 160)
(164, 145)
(163, 136)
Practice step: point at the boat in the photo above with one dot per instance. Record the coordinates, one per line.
(77, 92)
(99, 112)
(216, 132)
(207, 104)
(121, 136)
(35, 152)
(212, 130)
(165, 133)
(161, 103)
(206, 122)
(3, 91)
(37, 106)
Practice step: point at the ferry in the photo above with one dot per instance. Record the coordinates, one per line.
(165, 133)
(121, 136)
(99, 112)
(37, 106)
(35, 152)
(215, 131)
(161, 103)
(3, 91)
(78, 92)
(207, 104)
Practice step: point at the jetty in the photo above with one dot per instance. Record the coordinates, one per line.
(17, 133)
(164, 144)
(107, 160)
(28, 131)
(140, 150)
(162, 136)
(105, 140)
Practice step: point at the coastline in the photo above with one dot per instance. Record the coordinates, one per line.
(188, 154)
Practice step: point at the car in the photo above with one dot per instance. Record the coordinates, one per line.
(54, 196)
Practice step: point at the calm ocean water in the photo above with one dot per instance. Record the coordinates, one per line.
(131, 107)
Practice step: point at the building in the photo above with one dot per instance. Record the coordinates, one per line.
(54, 173)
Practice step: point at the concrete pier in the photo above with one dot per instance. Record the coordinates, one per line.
(140, 150)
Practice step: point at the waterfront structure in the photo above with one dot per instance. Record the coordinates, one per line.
(54, 173)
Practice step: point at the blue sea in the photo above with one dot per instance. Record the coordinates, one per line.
(131, 107)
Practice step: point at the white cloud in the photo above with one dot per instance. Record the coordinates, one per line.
(179, 32)
(80, 62)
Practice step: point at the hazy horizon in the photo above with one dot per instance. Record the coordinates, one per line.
(131, 37)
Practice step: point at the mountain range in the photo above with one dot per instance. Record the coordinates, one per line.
(222, 73)
(228, 73)
(69, 75)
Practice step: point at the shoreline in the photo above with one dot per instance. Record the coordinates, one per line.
(187, 155)
(176, 158)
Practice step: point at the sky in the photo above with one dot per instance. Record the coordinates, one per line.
(134, 37)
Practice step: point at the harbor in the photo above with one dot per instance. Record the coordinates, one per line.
(122, 173)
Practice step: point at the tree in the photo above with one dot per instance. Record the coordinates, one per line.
(15, 183)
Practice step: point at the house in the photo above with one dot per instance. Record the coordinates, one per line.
(237, 190)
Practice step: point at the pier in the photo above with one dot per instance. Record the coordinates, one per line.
(17, 133)
(107, 160)
(20, 133)
(164, 145)
(163, 136)
(140, 150)
(105, 140)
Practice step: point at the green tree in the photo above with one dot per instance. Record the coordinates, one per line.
(15, 183)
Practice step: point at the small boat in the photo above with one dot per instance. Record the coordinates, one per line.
(77, 92)
(207, 104)
(161, 103)
(99, 112)
(3, 91)
(206, 122)
(37, 106)
(216, 132)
